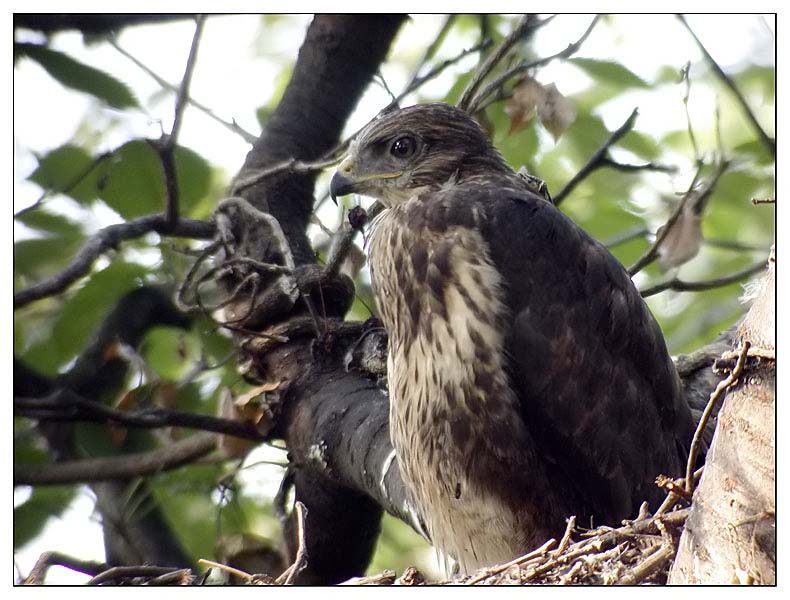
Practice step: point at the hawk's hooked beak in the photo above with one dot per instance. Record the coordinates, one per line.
(342, 182)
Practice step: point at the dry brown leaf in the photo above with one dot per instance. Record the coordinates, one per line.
(557, 112)
(524, 104)
(682, 242)
(251, 407)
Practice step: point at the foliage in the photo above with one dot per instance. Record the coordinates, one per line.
(81, 182)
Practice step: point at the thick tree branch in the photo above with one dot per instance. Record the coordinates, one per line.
(90, 23)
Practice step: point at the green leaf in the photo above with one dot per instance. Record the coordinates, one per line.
(169, 351)
(79, 76)
(81, 315)
(134, 183)
(194, 177)
(47, 222)
(641, 144)
(31, 516)
(36, 259)
(611, 73)
(68, 170)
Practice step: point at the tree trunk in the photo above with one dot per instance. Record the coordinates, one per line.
(730, 535)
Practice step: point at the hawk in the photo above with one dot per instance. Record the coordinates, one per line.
(528, 380)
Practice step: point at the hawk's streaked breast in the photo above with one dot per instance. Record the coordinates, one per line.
(453, 413)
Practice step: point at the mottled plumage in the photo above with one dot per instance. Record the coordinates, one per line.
(528, 381)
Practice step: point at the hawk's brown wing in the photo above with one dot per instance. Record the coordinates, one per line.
(598, 390)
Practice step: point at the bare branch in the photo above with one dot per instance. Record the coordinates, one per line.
(714, 397)
(525, 27)
(431, 50)
(232, 125)
(522, 67)
(767, 141)
(627, 236)
(50, 559)
(183, 92)
(287, 577)
(128, 572)
(598, 159)
(109, 238)
(628, 168)
(652, 253)
(698, 286)
(120, 467)
(66, 405)
(166, 146)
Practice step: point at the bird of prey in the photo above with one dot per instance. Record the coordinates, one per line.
(528, 380)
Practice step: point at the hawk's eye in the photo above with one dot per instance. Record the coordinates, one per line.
(403, 147)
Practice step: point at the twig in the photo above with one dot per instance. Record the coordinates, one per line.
(476, 103)
(649, 166)
(232, 125)
(698, 286)
(183, 92)
(649, 566)
(652, 253)
(598, 159)
(105, 239)
(291, 165)
(714, 397)
(386, 577)
(757, 201)
(566, 537)
(524, 27)
(672, 497)
(114, 573)
(166, 145)
(67, 405)
(486, 573)
(203, 562)
(123, 467)
(287, 576)
(767, 141)
(431, 49)
(50, 559)
(178, 577)
(627, 236)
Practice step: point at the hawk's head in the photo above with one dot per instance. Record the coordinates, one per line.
(405, 150)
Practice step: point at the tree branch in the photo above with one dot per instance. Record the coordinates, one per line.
(767, 141)
(232, 125)
(599, 159)
(476, 103)
(122, 467)
(652, 253)
(109, 238)
(65, 405)
(523, 29)
(714, 398)
(698, 286)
